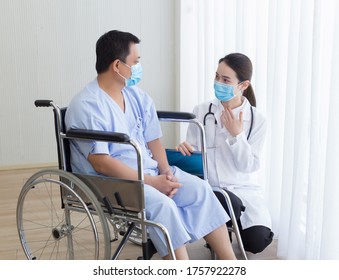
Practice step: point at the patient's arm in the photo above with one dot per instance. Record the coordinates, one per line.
(108, 166)
(159, 155)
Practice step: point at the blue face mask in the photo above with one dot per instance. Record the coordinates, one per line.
(223, 92)
(135, 76)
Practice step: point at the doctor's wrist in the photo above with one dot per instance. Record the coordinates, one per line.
(234, 139)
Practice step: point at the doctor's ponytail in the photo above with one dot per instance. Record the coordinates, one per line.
(249, 94)
(242, 66)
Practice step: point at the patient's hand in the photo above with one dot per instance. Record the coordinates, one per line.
(185, 148)
(166, 183)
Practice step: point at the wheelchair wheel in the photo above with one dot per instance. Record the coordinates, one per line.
(59, 217)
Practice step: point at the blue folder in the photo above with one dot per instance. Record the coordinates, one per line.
(191, 164)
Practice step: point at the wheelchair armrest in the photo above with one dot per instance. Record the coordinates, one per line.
(107, 136)
(175, 115)
(98, 135)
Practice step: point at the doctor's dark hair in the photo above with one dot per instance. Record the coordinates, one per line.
(242, 66)
(111, 46)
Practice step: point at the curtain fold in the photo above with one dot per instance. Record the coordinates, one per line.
(329, 224)
(292, 46)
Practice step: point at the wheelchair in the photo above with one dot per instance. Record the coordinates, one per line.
(64, 215)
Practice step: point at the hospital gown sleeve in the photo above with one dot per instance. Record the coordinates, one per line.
(151, 124)
(87, 115)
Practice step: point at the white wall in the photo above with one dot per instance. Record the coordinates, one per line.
(47, 51)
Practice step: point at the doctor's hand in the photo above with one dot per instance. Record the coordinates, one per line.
(233, 124)
(185, 148)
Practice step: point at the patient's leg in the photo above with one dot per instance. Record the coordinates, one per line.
(180, 254)
(220, 243)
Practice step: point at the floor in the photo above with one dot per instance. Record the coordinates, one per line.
(11, 183)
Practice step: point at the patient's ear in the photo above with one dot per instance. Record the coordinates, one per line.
(115, 65)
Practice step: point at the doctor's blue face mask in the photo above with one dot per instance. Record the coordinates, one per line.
(224, 92)
(135, 76)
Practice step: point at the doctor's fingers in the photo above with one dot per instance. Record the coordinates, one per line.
(184, 149)
(225, 119)
(229, 113)
(241, 115)
(185, 145)
(188, 146)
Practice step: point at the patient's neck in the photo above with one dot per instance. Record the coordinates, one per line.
(112, 88)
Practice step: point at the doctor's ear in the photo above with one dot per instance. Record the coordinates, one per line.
(244, 85)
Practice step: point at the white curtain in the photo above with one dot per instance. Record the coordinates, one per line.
(293, 45)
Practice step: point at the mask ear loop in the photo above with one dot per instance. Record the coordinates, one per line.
(125, 64)
(122, 75)
(241, 91)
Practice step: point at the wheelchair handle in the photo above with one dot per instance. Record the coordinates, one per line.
(43, 103)
(175, 115)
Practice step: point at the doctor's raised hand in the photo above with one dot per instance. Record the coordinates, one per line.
(233, 124)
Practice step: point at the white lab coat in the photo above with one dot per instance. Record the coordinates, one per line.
(232, 162)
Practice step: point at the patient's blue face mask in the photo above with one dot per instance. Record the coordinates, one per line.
(135, 76)
(224, 92)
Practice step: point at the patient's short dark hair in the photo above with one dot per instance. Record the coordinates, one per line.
(111, 46)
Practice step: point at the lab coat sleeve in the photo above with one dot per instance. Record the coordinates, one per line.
(246, 154)
(193, 133)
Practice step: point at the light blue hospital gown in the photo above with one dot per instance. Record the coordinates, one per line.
(193, 212)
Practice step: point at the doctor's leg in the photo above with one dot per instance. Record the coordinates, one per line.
(256, 238)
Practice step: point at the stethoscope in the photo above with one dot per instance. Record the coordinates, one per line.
(215, 121)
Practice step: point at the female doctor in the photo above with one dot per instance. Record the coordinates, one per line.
(235, 133)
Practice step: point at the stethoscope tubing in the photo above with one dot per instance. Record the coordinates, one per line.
(215, 121)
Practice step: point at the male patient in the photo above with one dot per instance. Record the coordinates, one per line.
(183, 203)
